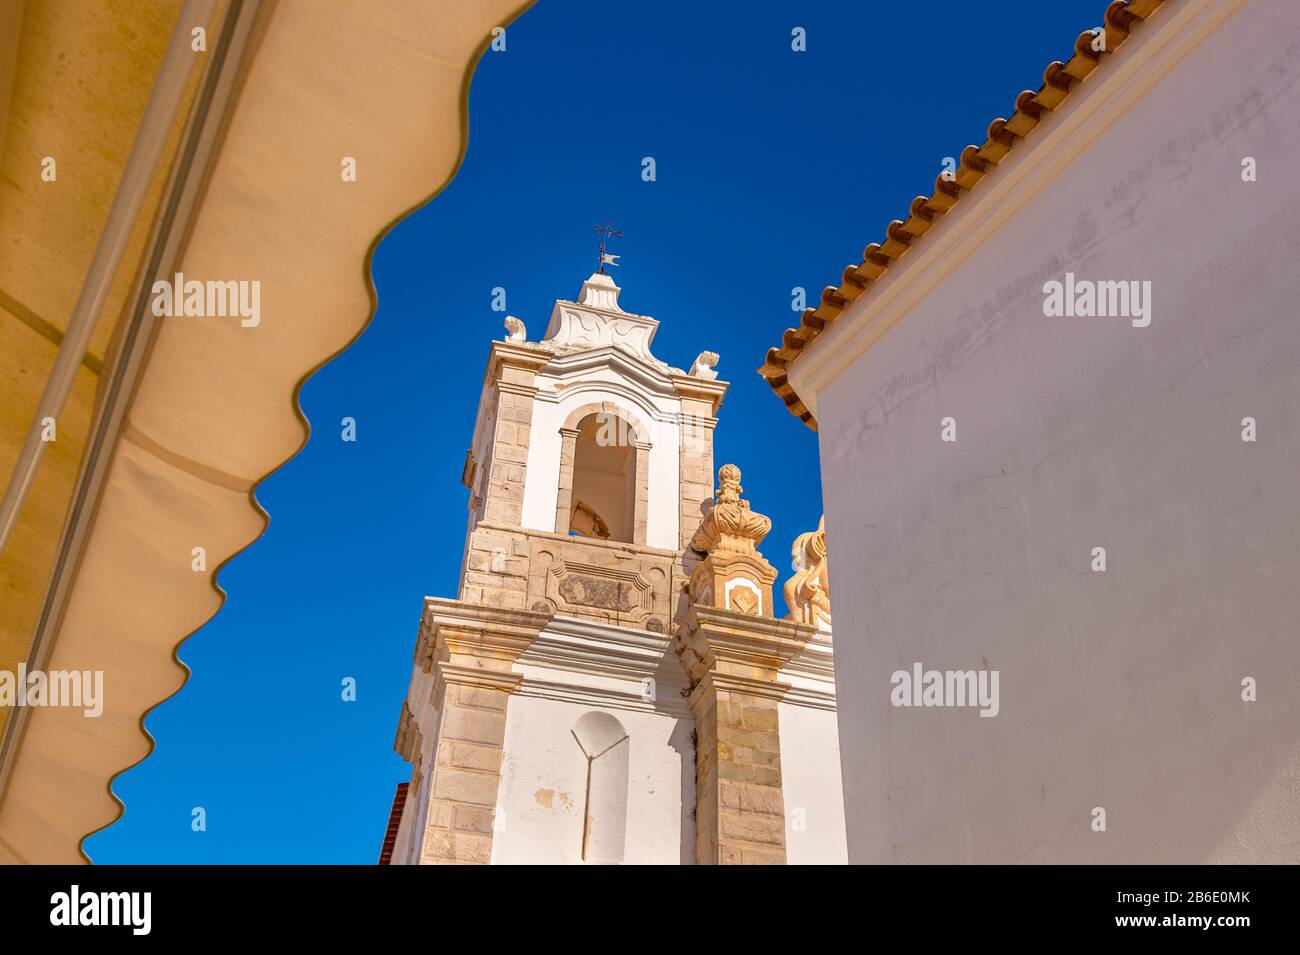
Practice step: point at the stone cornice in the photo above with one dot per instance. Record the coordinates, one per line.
(513, 388)
(464, 634)
(618, 698)
(711, 682)
(777, 631)
(736, 645)
(812, 674)
(573, 643)
(816, 662)
(698, 421)
(474, 676)
(599, 664)
(688, 386)
(529, 355)
(810, 699)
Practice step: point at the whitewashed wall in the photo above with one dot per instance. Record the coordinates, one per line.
(1121, 689)
(543, 780)
(812, 789)
(578, 667)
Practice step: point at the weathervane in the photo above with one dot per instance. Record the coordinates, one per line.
(606, 258)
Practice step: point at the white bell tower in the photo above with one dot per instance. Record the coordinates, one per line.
(564, 706)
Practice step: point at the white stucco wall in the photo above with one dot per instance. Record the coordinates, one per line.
(543, 780)
(1121, 689)
(812, 790)
(575, 668)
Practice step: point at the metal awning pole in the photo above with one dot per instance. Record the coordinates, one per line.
(159, 116)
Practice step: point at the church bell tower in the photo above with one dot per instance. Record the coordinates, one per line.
(609, 683)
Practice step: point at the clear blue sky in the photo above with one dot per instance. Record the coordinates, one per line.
(774, 168)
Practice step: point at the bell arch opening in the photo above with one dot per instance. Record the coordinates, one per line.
(604, 479)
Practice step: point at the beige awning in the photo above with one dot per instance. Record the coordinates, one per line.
(212, 404)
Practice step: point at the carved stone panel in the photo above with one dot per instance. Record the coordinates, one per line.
(620, 596)
(596, 590)
(616, 584)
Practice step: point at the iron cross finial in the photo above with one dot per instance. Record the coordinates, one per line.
(604, 258)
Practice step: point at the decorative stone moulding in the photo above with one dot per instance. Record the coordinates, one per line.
(595, 320)
(590, 586)
(455, 635)
(621, 585)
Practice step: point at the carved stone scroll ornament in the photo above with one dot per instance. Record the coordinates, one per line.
(808, 591)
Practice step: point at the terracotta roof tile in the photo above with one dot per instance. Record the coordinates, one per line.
(394, 820)
(976, 163)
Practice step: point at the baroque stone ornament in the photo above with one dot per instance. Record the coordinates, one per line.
(808, 591)
(733, 576)
(704, 364)
(596, 320)
(730, 525)
(515, 330)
